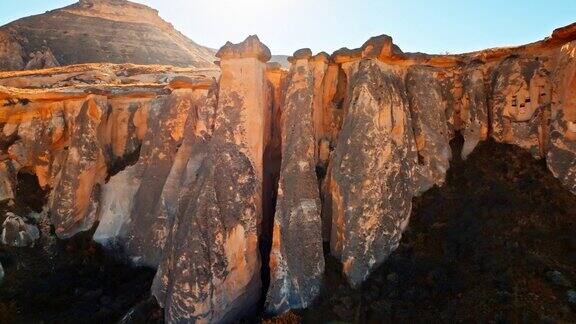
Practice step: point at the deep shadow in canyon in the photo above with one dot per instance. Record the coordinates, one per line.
(496, 243)
(66, 281)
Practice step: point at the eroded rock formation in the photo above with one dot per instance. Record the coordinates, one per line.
(176, 166)
(211, 269)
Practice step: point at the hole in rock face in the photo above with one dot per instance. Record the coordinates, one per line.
(496, 243)
(29, 193)
(120, 164)
(341, 91)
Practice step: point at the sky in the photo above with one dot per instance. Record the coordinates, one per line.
(441, 26)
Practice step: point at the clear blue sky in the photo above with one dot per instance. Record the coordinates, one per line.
(286, 25)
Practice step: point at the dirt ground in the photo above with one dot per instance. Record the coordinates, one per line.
(497, 243)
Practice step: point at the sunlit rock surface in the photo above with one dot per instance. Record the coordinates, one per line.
(372, 170)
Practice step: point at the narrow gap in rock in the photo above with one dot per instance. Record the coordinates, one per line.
(339, 99)
(271, 177)
(489, 83)
(325, 208)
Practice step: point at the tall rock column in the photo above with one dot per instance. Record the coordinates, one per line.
(210, 270)
(430, 126)
(297, 259)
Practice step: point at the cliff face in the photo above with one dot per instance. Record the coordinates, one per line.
(94, 31)
(175, 165)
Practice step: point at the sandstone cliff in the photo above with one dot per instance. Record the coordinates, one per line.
(174, 166)
(95, 31)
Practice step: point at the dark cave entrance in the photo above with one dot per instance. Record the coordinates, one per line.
(28, 191)
(497, 243)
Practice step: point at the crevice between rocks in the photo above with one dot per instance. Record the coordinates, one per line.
(270, 182)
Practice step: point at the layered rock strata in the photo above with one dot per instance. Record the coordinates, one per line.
(94, 31)
(178, 167)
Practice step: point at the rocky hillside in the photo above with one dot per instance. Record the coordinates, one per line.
(230, 182)
(95, 31)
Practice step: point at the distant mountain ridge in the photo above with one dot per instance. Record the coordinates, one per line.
(89, 31)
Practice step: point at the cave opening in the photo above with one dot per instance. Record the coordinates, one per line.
(496, 243)
(28, 191)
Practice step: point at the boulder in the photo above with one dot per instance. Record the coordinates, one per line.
(17, 232)
(211, 270)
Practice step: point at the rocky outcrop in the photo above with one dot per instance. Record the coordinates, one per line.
(74, 198)
(127, 211)
(17, 232)
(97, 31)
(179, 167)
(42, 59)
(375, 159)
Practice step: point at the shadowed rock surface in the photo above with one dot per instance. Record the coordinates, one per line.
(483, 247)
(297, 221)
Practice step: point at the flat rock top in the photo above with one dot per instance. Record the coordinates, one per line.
(111, 79)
